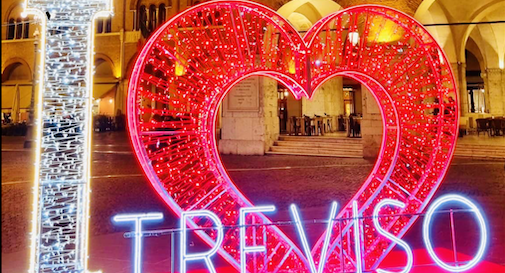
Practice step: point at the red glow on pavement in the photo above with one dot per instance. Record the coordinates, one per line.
(423, 263)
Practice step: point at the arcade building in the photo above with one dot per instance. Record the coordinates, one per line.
(260, 116)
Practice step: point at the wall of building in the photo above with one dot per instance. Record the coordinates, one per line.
(249, 120)
(327, 100)
(371, 124)
(122, 45)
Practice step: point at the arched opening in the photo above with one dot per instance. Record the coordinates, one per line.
(18, 27)
(485, 43)
(104, 25)
(436, 12)
(475, 51)
(475, 84)
(162, 14)
(104, 88)
(302, 14)
(16, 72)
(108, 26)
(16, 92)
(26, 29)
(11, 29)
(338, 106)
(99, 25)
(142, 20)
(152, 18)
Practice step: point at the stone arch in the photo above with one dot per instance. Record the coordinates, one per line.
(21, 27)
(302, 14)
(486, 40)
(423, 8)
(431, 12)
(13, 64)
(101, 59)
(476, 17)
(9, 11)
(474, 48)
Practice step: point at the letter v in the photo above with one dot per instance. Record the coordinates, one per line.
(305, 244)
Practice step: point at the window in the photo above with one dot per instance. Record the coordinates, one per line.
(162, 14)
(99, 25)
(108, 26)
(19, 29)
(152, 18)
(12, 29)
(104, 25)
(26, 29)
(17, 26)
(142, 19)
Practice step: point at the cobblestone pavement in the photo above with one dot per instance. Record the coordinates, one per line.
(118, 186)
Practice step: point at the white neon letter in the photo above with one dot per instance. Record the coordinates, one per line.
(381, 231)
(138, 219)
(427, 239)
(243, 248)
(357, 246)
(305, 244)
(203, 255)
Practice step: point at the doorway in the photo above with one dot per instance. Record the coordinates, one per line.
(282, 108)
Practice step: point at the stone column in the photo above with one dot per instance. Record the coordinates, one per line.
(120, 97)
(371, 125)
(269, 112)
(459, 70)
(334, 101)
(314, 105)
(327, 99)
(483, 75)
(494, 80)
(250, 123)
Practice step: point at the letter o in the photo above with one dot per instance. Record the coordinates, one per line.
(426, 232)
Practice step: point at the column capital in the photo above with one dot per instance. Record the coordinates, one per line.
(458, 64)
(493, 71)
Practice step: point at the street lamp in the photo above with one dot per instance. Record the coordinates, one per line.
(29, 127)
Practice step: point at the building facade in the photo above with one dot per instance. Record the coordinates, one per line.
(476, 53)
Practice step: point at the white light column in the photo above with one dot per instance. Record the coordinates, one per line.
(61, 202)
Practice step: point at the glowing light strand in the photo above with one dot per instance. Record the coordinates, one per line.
(138, 219)
(452, 198)
(61, 198)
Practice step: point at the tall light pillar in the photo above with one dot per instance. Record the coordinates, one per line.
(59, 237)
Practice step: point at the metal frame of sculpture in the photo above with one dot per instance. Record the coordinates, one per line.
(191, 62)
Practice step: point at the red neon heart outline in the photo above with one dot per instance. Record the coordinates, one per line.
(391, 149)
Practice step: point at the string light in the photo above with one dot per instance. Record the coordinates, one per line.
(59, 239)
(191, 62)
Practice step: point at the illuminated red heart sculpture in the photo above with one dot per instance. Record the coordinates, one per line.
(191, 62)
